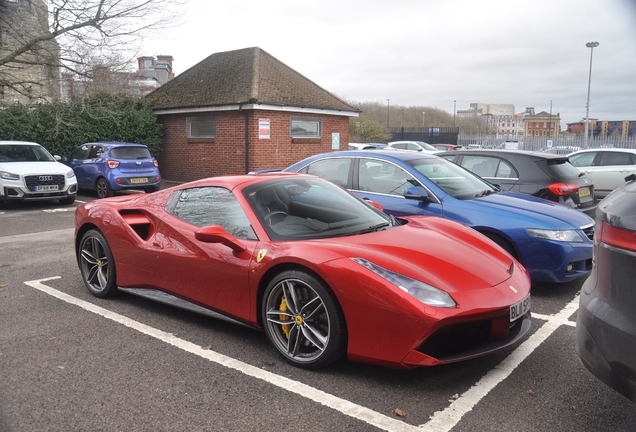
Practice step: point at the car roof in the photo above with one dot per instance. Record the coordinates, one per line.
(388, 154)
(19, 142)
(496, 152)
(116, 144)
(608, 149)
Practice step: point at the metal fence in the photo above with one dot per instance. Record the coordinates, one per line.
(443, 135)
(567, 143)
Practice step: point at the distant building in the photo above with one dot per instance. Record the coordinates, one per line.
(604, 128)
(151, 75)
(506, 126)
(494, 109)
(35, 77)
(542, 125)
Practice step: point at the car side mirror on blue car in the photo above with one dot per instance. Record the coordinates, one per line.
(418, 193)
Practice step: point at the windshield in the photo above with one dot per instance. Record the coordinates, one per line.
(426, 146)
(24, 153)
(453, 179)
(306, 208)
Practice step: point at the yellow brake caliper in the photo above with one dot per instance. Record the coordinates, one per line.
(283, 308)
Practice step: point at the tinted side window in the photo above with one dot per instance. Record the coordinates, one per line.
(95, 152)
(483, 166)
(383, 177)
(213, 206)
(615, 158)
(336, 170)
(583, 159)
(80, 153)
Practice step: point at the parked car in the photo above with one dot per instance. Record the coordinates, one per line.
(107, 167)
(543, 175)
(321, 271)
(607, 167)
(28, 172)
(361, 146)
(419, 146)
(552, 241)
(447, 147)
(606, 321)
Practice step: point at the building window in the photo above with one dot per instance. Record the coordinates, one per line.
(305, 127)
(201, 127)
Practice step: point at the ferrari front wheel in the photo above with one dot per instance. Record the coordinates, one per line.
(97, 265)
(303, 320)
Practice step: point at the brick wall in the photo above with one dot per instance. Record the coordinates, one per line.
(184, 159)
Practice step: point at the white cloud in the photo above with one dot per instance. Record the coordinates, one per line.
(421, 52)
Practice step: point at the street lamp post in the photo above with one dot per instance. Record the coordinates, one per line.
(590, 45)
(423, 119)
(387, 114)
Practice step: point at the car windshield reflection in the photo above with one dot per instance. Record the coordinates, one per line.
(302, 209)
(453, 179)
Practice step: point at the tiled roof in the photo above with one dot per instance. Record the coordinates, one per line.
(248, 75)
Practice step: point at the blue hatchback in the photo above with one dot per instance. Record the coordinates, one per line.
(106, 167)
(552, 241)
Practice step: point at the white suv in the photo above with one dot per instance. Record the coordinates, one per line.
(29, 172)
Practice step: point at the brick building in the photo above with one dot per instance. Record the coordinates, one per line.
(244, 110)
(542, 124)
(34, 75)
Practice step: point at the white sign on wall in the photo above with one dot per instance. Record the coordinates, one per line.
(263, 128)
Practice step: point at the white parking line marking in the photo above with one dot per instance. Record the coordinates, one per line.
(443, 421)
(341, 405)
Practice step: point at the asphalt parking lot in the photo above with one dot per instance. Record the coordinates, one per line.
(70, 361)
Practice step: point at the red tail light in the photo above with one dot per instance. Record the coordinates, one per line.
(561, 189)
(616, 237)
(112, 164)
(156, 163)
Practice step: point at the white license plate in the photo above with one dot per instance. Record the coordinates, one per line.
(519, 309)
(45, 188)
(138, 180)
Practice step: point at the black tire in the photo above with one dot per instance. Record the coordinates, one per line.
(316, 334)
(68, 200)
(103, 188)
(97, 265)
(151, 189)
(505, 244)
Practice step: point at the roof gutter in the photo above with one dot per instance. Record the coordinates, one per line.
(247, 140)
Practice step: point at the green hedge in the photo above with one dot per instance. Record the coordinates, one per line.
(62, 126)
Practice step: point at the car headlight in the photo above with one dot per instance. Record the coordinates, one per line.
(425, 293)
(9, 176)
(571, 236)
(70, 174)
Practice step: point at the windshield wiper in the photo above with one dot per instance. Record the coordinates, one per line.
(372, 228)
(484, 193)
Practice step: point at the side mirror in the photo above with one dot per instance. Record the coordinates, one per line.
(216, 234)
(417, 193)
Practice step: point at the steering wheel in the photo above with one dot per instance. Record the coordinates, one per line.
(274, 213)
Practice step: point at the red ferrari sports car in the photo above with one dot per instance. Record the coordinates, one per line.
(324, 273)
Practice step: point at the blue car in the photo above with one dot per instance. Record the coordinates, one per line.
(107, 167)
(552, 241)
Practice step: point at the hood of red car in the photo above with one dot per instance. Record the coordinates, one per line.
(436, 251)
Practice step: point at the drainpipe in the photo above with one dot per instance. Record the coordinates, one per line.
(247, 141)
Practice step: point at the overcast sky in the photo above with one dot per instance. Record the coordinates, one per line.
(432, 53)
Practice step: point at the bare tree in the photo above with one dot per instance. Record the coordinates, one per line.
(74, 36)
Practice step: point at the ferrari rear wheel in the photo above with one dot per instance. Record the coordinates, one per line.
(303, 320)
(97, 265)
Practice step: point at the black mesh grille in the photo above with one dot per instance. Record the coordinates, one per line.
(589, 232)
(44, 180)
